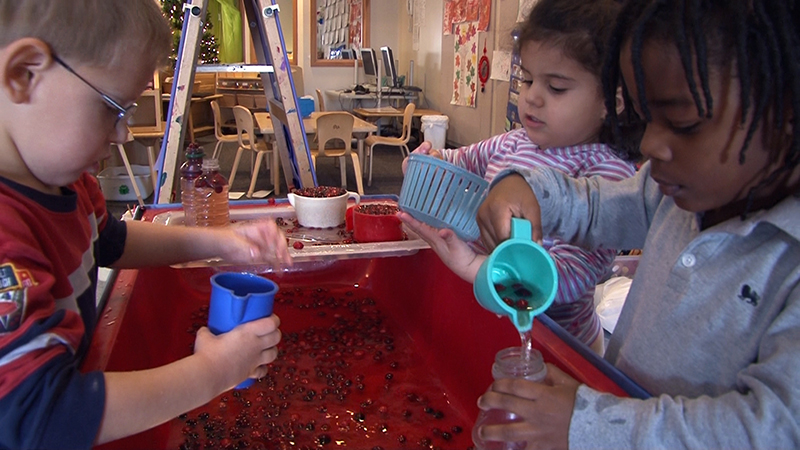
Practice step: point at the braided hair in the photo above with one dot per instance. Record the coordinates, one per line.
(761, 36)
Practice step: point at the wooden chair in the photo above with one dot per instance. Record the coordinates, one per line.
(222, 137)
(320, 101)
(333, 127)
(249, 141)
(401, 142)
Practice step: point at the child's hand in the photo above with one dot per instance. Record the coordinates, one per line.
(255, 242)
(545, 409)
(243, 352)
(510, 197)
(423, 149)
(454, 252)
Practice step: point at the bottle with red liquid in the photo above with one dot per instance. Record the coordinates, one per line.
(211, 191)
(514, 362)
(190, 171)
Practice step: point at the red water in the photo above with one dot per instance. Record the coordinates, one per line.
(344, 378)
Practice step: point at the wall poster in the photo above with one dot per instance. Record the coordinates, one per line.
(465, 62)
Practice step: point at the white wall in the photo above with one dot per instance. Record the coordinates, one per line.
(433, 71)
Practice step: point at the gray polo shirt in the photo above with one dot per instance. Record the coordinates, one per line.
(711, 326)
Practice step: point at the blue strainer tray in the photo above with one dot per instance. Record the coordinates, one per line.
(442, 195)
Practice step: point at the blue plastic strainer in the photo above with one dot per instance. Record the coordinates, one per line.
(442, 195)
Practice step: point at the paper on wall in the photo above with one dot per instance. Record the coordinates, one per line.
(501, 65)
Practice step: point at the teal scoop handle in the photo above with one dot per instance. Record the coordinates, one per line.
(518, 279)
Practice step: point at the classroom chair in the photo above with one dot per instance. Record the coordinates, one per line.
(320, 101)
(248, 140)
(401, 141)
(222, 137)
(333, 127)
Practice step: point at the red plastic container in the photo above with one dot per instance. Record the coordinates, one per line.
(367, 226)
(435, 323)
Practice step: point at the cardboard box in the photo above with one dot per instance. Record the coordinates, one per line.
(116, 184)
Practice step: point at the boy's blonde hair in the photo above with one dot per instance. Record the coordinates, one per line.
(93, 32)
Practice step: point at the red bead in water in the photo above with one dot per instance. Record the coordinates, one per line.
(499, 287)
(325, 370)
(523, 292)
(522, 304)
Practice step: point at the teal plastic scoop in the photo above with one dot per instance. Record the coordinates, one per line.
(518, 279)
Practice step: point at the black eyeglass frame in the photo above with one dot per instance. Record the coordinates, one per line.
(122, 112)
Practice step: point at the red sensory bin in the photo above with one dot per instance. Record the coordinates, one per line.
(387, 352)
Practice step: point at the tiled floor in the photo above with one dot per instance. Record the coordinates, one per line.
(387, 177)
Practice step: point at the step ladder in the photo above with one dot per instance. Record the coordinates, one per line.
(276, 76)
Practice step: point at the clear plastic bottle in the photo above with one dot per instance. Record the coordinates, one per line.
(211, 189)
(190, 171)
(512, 362)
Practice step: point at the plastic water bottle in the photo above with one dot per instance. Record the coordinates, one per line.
(513, 362)
(211, 189)
(190, 171)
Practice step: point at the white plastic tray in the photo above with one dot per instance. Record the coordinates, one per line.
(321, 246)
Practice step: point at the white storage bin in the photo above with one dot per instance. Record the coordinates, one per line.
(116, 184)
(435, 129)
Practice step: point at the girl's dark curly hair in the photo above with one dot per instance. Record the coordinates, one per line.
(581, 29)
(759, 36)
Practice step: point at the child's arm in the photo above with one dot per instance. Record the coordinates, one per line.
(510, 197)
(136, 401)
(149, 244)
(473, 158)
(454, 252)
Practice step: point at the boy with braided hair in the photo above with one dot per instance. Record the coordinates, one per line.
(711, 326)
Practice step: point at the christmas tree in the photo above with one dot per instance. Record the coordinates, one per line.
(209, 49)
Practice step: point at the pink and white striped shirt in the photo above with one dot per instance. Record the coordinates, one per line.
(579, 270)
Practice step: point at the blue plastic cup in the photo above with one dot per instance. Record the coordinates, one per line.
(237, 298)
(521, 269)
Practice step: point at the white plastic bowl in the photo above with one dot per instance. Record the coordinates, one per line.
(321, 212)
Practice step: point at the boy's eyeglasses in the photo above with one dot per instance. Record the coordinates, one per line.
(123, 114)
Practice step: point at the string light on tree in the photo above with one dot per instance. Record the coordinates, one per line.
(209, 48)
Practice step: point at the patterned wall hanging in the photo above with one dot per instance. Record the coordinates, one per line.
(465, 64)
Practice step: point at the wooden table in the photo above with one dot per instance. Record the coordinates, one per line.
(347, 99)
(361, 128)
(373, 115)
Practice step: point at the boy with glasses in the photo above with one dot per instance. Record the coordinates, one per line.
(70, 72)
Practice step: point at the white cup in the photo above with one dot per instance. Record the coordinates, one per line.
(321, 212)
